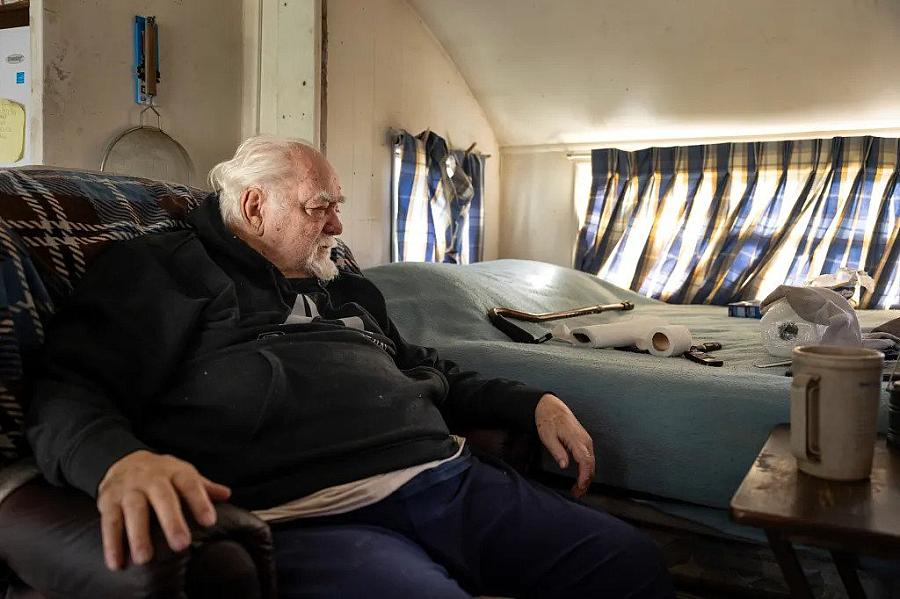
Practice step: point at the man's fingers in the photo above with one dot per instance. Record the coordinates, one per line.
(143, 481)
(562, 435)
(585, 461)
(557, 450)
(582, 450)
(586, 453)
(193, 491)
(216, 491)
(137, 526)
(111, 533)
(167, 506)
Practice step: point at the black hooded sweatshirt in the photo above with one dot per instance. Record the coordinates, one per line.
(183, 343)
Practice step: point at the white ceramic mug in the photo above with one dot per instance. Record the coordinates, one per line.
(834, 410)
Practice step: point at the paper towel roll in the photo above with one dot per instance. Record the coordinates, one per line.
(620, 334)
(668, 341)
(643, 330)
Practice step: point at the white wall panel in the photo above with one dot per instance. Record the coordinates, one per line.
(539, 221)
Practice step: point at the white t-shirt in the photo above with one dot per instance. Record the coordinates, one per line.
(350, 496)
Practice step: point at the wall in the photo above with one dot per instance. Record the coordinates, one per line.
(539, 221)
(88, 90)
(385, 69)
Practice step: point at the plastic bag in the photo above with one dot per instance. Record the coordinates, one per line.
(845, 281)
(782, 330)
(795, 316)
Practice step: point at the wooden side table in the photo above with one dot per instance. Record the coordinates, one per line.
(846, 518)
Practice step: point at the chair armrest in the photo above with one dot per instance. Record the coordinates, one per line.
(50, 538)
(518, 449)
(213, 545)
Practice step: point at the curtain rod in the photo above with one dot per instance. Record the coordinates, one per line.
(577, 148)
(395, 134)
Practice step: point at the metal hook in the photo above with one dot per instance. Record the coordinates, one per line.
(150, 106)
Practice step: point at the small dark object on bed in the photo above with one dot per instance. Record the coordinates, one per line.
(698, 354)
(708, 346)
(633, 349)
(517, 332)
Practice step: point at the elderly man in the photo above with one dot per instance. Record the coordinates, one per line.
(233, 354)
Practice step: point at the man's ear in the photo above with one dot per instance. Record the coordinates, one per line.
(252, 205)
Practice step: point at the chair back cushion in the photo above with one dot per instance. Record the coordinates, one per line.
(53, 224)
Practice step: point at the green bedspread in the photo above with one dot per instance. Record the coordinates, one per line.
(665, 426)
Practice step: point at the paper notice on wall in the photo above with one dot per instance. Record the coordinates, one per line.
(12, 131)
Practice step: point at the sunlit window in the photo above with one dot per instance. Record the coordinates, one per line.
(582, 187)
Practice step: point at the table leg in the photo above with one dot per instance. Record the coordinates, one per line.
(790, 566)
(846, 567)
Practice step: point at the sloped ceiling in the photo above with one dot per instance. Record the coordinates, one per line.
(578, 71)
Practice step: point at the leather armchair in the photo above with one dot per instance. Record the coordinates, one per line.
(50, 542)
(50, 539)
(52, 224)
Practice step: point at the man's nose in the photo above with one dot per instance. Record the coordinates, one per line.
(333, 225)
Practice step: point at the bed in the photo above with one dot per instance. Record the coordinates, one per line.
(667, 427)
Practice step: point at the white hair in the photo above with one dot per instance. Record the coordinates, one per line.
(264, 162)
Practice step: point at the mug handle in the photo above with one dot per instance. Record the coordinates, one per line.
(805, 416)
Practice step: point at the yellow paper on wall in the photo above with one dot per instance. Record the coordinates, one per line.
(12, 131)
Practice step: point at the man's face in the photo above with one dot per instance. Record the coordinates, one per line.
(300, 231)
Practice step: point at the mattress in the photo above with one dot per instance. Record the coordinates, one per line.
(664, 426)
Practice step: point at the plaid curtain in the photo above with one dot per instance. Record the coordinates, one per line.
(436, 202)
(719, 223)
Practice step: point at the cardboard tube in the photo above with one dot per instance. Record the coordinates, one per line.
(668, 341)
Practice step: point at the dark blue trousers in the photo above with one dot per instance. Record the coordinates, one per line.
(467, 528)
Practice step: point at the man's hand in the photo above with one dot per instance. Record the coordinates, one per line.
(562, 435)
(142, 480)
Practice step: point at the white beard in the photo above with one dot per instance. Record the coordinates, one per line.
(322, 267)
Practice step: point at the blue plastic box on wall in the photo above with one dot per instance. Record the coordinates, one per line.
(745, 309)
(141, 95)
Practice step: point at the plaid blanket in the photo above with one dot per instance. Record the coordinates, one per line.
(53, 223)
